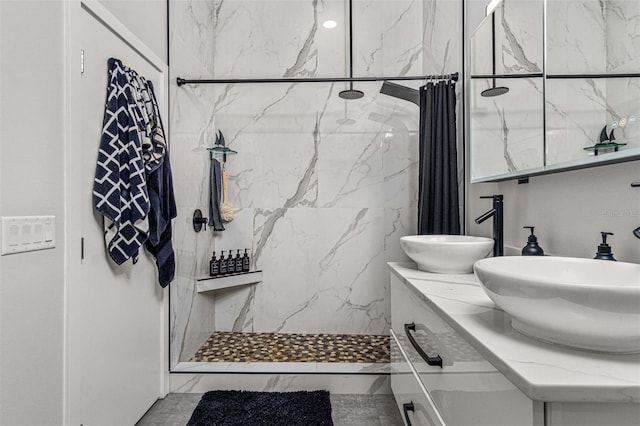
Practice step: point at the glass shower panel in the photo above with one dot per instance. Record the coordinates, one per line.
(322, 188)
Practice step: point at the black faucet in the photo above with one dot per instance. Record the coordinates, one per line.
(498, 225)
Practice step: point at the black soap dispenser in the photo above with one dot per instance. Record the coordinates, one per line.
(231, 264)
(604, 249)
(214, 266)
(238, 261)
(532, 248)
(223, 264)
(246, 262)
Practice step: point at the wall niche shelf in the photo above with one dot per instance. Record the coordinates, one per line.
(227, 281)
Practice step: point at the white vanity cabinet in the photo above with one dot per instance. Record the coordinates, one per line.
(490, 374)
(467, 389)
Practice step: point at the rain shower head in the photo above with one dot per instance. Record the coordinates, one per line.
(351, 93)
(494, 91)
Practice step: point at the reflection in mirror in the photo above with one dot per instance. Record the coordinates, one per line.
(518, 39)
(506, 131)
(592, 36)
(579, 109)
(507, 113)
(494, 90)
(591, 108)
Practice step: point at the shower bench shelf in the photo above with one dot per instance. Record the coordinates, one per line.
(227, 281)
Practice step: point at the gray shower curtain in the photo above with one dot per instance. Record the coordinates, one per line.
(438, 205)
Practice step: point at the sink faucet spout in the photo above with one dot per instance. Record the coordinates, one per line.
(485, 216)
(498, 226)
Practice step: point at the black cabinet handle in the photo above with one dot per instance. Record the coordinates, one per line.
(406, 408)
(431, 360)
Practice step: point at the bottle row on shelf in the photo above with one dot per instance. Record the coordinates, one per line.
(229, 265)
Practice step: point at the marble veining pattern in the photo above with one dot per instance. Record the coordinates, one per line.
(507, 127)
(322, 188)
(370, 384)
(518, 40)
(521, 36)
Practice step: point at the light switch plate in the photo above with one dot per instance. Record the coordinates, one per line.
(27, 233)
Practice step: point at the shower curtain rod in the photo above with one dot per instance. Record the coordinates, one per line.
(182, 81)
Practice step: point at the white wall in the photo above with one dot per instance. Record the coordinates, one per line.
(31, 183)
(147, 19)
(569, 210)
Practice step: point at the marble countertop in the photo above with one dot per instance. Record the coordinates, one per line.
(543, 372)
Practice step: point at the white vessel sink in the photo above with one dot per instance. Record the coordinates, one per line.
(446, 254)
(581, 303)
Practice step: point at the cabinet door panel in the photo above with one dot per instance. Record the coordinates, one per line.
(467, 389)
(476, 399)
(408, 391)
(432, 334)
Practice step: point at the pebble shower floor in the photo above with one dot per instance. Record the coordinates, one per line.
(286, 347)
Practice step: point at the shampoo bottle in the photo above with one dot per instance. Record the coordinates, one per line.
(214, 266)
(231, 264)
(246, 262)
(223, 265)
(238, 261)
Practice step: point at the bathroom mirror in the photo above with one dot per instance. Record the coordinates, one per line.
(572, 103)
(507, 113)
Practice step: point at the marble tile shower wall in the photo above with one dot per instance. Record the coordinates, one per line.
(321, 202)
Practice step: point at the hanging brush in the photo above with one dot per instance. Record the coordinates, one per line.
(226, 209)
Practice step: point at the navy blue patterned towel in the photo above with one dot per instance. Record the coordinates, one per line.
(119, 188)
(133, 186)
(163, 207)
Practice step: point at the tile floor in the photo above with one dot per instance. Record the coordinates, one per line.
(289, 347)
(347, 410)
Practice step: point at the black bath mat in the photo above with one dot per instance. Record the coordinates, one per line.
(239, 408)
